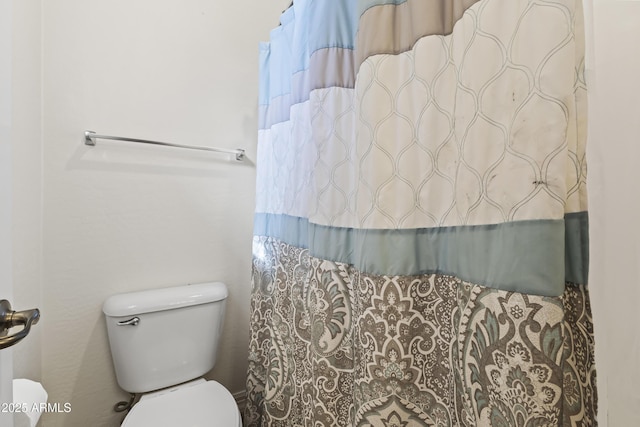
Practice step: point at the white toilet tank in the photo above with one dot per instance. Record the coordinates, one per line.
(163, 337)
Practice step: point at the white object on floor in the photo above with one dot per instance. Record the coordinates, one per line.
(29, 395)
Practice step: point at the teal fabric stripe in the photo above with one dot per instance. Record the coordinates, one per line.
(576, 228)
(290, 229)
(522, 256)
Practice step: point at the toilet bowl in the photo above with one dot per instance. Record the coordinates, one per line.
(195, 404)
(163, 341)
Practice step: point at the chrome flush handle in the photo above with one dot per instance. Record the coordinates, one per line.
(10, 318)
(131, 322)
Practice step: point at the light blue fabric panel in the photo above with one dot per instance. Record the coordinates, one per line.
(334, 24)
(523, 256)
(280, 62)
(265, 75)
(301, 86)
(303, 20)
(287, 73)
(278, 111)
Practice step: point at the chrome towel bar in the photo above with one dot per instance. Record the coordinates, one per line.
(90, 139)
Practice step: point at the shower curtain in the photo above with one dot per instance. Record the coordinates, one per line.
(420, 247)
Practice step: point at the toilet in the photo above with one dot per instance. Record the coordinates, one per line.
(162, 342)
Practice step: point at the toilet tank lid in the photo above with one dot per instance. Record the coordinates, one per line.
(131, 303)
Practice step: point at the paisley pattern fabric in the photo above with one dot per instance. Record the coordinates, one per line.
(421, 229)
(331, 346)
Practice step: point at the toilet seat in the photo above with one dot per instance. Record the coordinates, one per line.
(199, 403)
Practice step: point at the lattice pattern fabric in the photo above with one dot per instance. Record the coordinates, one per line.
(421, 234)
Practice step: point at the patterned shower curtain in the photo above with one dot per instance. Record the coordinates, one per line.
(421, 241)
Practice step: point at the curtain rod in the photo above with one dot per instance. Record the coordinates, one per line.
(90, 139)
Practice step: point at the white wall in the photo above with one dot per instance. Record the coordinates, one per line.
(6, 356)
(121, 217)
(614, 150)
(27, 178)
